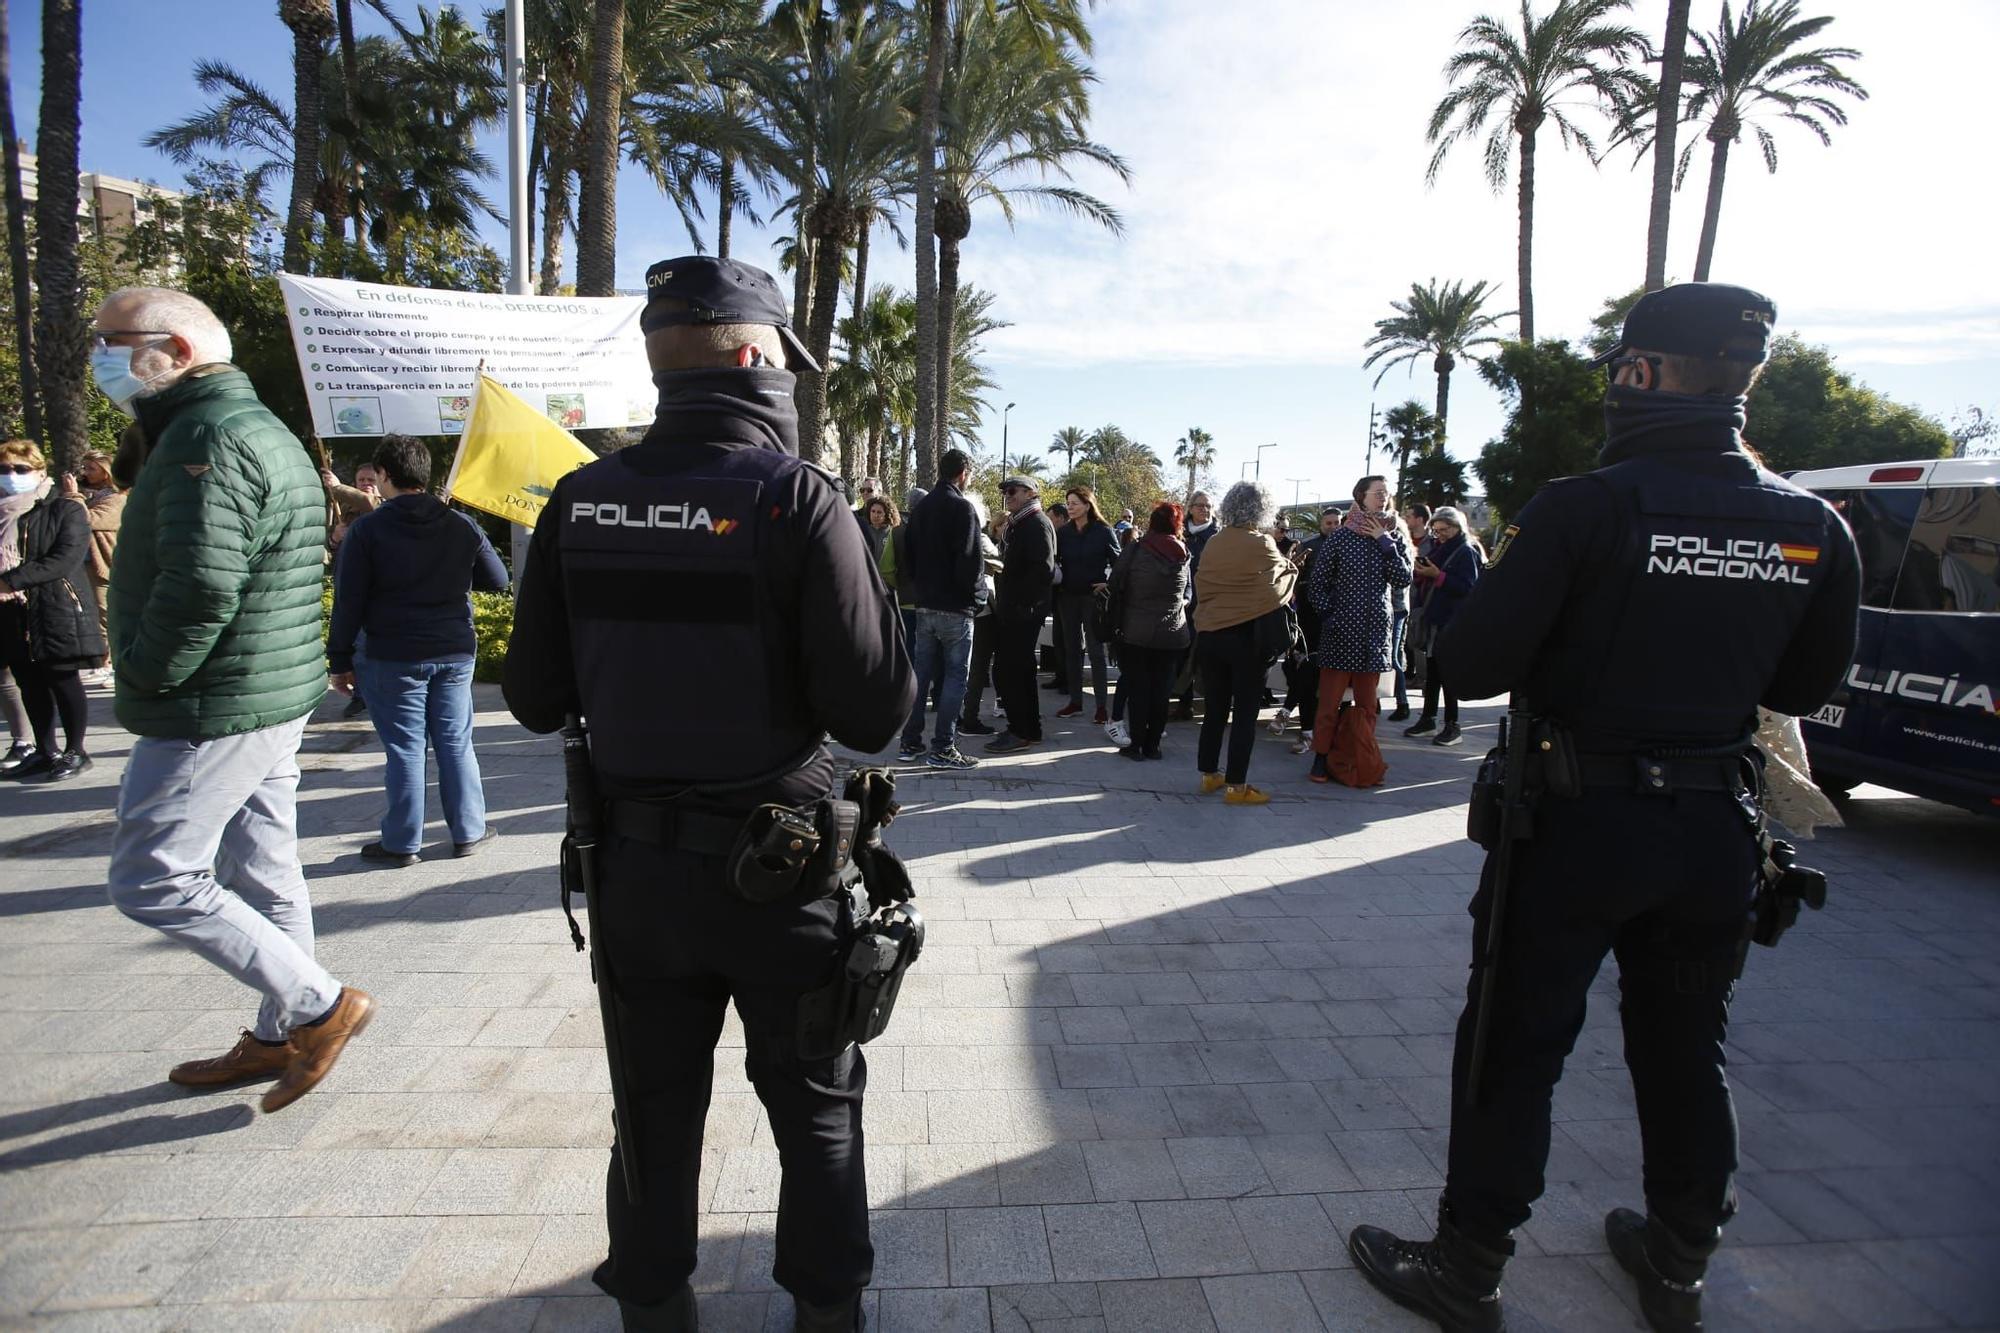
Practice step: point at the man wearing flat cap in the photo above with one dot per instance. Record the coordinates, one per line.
(704, 601)
(1021, 600)
(1639, 615)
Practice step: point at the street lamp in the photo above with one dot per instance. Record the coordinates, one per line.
(1241, 471)
(1260, 459)
(1296, 483)
(1003, 438)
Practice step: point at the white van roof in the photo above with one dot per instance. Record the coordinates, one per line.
(1917, 472)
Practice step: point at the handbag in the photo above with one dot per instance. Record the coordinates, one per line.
(1277, 633)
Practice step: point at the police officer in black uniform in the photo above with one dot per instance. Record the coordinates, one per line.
(705, 601)
(1640, 613)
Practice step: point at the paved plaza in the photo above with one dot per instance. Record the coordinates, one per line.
(1158, 1056)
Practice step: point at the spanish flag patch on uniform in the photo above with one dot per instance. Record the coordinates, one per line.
(1798, 555)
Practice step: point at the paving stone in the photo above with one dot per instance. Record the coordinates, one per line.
(1132, 1169)
(910, 1247)
(1258, 1302)
(1174, 1305)
(1097, 1242)
(1055, 1174)
(1195, 1238)
(1223, 1167)
(1288, 1233)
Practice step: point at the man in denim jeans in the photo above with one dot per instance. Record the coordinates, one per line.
(403, 575)
(943, 550)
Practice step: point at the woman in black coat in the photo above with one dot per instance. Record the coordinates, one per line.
(1454, 565)
(1149, 592)
(48, 610)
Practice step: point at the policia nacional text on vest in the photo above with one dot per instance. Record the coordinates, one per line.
(1638, 616)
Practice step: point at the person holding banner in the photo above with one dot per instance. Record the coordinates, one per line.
(705, 601)
(403, 575)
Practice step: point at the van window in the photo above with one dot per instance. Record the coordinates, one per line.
(1953, 562)
(1881, 519)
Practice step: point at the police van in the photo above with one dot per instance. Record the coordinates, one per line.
(1917, 711)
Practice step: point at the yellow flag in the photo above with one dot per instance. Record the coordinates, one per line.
(511, 456)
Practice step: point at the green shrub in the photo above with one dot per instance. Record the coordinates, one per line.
(493, 622)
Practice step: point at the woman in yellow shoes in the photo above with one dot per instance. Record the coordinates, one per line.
(1242, 579)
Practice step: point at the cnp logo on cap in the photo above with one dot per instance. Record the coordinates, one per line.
(1706, 319)
(719, 291)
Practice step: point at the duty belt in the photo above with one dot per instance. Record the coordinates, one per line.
(685, 830)
(1654, 775)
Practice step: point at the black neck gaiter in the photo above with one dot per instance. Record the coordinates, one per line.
(752, 406)
(1638, 421)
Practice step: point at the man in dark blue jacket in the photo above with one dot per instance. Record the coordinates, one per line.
(403, 575)
(942, 548)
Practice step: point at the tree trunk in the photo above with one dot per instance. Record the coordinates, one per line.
(343, 17)
(1527, 255)
(17, 245)
(536, 149)
(1718, 166)
(802, 246)
(1443, 366)
(59, 324)
(827, 251)
(860, 270)
(873, 467)
(1666, 121)
(597, 210)
(555, 207)
(947, 300)
(310, 21)
(725, 205)
(928, 345)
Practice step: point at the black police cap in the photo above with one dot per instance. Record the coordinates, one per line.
(719, 291)
(1712, 320)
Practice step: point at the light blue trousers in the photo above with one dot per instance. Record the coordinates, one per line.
(207, 853)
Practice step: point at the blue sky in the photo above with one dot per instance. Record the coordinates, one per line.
(1278, 204)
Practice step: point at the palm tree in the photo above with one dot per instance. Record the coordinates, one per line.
(1069, 439)
(1666, 115)
(1013, 104)
(1751, 66)
(929, 104)
(874, 385)
(59, 326)
(1412, 430)
(837, 129)
(17, 245)
(1525, 75)
(312, 26)
(1194, 451)
(1029, 465)
(597, 208)
(1443, 323)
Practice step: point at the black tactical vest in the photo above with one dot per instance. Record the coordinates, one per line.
(680, 609)
(1679, 629)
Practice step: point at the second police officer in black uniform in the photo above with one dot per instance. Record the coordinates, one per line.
(1639, 615)
(705, 601)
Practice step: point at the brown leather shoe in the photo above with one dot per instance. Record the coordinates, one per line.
(248, 1060)
(314, 1049)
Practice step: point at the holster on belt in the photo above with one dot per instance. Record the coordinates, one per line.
(784, 851)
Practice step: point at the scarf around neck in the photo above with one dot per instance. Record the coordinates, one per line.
(1638, 421)
(1166, 546)
(12, 507)
(752, 406)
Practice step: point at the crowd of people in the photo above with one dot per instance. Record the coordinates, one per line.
(1205, 600)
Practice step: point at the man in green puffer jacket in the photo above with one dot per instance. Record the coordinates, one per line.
(215, 643)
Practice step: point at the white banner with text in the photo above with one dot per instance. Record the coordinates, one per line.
(379, 359)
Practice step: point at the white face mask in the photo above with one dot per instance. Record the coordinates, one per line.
(111, 367)
(20, 483)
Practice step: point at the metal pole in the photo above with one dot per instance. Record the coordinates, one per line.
(1003, 438)
(1368, 468)
(1296, 483)
(517, 201)
(1260, 458)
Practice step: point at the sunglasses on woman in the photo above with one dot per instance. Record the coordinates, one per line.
(19, 469)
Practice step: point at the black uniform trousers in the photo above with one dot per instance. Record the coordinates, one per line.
(1014, 674)
(683, 947)
(1664, 884)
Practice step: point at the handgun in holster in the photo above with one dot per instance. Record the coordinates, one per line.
(877, 947)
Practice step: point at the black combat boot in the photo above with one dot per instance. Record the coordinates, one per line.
(846, 1317)
(1667, 1269)
(1452, 1279)
(676, 1314)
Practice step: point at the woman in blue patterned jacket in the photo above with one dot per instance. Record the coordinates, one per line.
(1352, 572)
